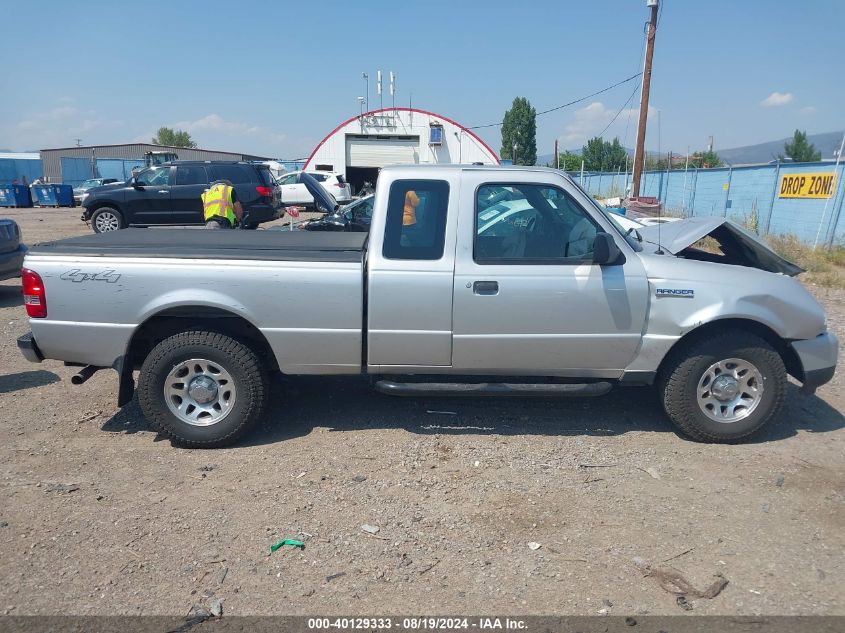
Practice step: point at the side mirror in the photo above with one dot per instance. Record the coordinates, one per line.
(605, 250)
(134, 182)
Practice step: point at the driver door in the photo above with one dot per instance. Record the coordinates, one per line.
(528, 299)
(148, 200)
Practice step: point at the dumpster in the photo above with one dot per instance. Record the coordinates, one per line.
(15, 196)
(45, 195)
(53, 195)
(64, 195)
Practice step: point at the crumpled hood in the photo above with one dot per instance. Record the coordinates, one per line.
(739, 245)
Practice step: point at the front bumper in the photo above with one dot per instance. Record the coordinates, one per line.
(818, 358)
(28, 347)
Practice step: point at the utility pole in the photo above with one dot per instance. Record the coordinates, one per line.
(557, 156)
(639, 154)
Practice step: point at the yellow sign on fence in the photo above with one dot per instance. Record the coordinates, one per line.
(821, 185)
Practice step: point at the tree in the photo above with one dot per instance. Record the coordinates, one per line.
(569, 161)
(705, 159)
(174, 138)
(520, 127)
(601, 155)
(800, 150)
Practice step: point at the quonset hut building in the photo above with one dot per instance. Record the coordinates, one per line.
(360, 146)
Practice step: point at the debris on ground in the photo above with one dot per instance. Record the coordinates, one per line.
(370, 529)
(359, 478)
(339, 574)
(217, 608)
(652, 472)
(221, 574)
(672, 581)
(681, 601)
(61, 488)
(198, 613)
(779, 481)
(207, 468)
(534, 546)
(287, 541)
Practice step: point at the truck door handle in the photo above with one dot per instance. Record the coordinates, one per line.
(164, 191)
(485, 288)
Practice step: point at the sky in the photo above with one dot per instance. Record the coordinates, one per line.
(274, 77)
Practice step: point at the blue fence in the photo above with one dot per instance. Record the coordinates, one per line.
(75, 170)
(20, 169)
(735, 192)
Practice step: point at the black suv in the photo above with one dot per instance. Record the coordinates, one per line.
(170, 194)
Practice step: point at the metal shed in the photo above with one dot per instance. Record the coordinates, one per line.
(52, 158)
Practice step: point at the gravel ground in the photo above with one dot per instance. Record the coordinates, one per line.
(101, 516)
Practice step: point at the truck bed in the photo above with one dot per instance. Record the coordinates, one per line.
(266, 245)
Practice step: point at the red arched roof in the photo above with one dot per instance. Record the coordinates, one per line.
(434, 114)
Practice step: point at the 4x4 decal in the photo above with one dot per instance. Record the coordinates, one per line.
(77, 276)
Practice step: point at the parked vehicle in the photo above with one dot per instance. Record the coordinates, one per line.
(296, 193)
(170, 195)
(80, 191)
(450, 293)
(12, 251)
(159, 158)
(354, 217)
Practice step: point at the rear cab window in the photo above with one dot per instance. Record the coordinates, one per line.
(416, 219)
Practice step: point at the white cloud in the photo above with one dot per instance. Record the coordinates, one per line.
(777, 99)
(58, 126)
(808, 110)
(592, 119)
(215, 132)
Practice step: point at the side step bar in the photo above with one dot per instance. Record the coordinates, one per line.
(542, 390)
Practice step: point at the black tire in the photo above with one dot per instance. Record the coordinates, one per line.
(106, 217)
(235, 358)
(679, 385)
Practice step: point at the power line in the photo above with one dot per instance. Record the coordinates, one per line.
(615, 116)
(566, 105)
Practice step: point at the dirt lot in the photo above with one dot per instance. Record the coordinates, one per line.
(100, 516)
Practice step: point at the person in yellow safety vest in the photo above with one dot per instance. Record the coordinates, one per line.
(220, 205)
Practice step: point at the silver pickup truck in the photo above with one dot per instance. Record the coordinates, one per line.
(472, 281)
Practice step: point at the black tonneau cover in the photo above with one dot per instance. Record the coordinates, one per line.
(221, 244)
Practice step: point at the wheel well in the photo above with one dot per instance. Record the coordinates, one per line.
(105, 203)
(781, 346)
(185, 318)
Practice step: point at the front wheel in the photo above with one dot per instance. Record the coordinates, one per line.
(106, 219)
(202, 389)
(724, 388)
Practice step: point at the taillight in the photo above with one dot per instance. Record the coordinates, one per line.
(264, 191)
(34, 297)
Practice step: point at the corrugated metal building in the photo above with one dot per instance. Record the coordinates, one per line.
(52, 158)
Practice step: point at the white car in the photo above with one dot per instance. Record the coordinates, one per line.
(294, 192)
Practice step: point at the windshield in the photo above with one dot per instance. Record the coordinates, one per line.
(91, 182)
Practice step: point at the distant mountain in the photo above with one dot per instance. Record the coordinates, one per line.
(827, 143)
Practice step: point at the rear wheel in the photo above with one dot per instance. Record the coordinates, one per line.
(202, 389)
(725, 388)
(106, 219)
